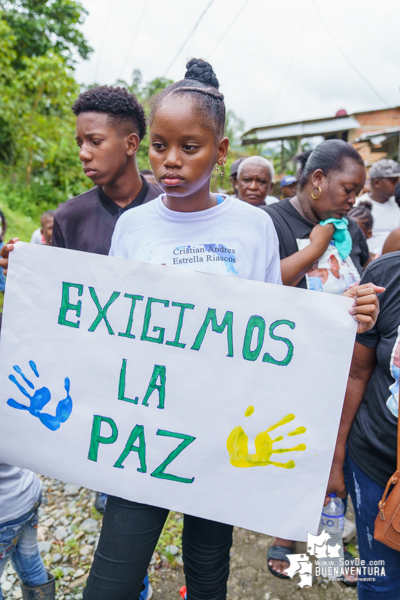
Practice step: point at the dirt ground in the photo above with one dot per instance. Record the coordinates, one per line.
(250, 578)
(68, 533)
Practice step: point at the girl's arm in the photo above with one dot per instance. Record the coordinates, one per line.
(294, 267)
(362, 366)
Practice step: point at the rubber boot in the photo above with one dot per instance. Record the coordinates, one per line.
(46, 591)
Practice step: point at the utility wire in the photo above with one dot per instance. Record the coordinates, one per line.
(102, 41)
(295, 49)
(348, 60)
(229, 27)
(188, 37)
(134, 38)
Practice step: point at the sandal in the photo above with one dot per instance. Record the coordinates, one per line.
(350, 562)
(278, 553)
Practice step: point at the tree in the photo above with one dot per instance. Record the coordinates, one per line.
(38, 42)
(143, 92)
(234, 127)
(39, 26)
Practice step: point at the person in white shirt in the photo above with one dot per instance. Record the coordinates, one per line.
(384, 176)
(255, 181)
(188, 227)
(37, 237)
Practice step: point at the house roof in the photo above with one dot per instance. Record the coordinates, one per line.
(373, 136)
(308, 128)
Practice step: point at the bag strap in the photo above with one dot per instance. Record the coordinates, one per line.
(382, 503)
(398, 445)
(393, 480)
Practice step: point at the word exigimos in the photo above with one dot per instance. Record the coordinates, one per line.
(70, 314)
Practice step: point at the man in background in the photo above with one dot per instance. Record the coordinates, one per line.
(233, 175)
(384, 176)
(288, 187)
(255, 181)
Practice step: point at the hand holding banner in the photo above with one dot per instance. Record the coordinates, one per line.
(174, 388)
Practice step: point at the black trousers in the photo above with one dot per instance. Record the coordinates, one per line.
(128, 538)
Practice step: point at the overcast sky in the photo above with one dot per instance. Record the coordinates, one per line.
(276, 63)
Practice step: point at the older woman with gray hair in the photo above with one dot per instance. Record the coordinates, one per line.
(255, 181)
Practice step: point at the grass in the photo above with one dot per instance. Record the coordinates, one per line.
(171, 535)
(18, 224)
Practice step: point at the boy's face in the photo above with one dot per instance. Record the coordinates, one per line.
(104, 149)
(47, 229)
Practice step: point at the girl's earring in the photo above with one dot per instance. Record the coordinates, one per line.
(319, 193)
(220, 169)
(149, 165)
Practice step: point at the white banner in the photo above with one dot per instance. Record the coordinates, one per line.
(210, 395)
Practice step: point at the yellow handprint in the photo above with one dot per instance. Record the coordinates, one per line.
(237, 445)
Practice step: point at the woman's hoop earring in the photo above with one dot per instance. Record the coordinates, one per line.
(319, 193)
(149, 165)
(220, 170)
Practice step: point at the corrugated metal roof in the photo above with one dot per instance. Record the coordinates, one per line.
(372, 134)
(302, 129)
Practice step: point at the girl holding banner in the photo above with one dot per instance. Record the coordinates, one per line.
(189, 226)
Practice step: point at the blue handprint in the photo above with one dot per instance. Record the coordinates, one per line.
(40, 398)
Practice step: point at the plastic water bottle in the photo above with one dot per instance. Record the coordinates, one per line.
(332, 521)
(332, 518)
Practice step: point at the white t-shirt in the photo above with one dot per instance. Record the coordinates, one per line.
(37, 237)
(386, 217)
(231, 238)
(19, 490)
(271, 200)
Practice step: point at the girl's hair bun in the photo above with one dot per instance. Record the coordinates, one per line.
(366, 204)
(201, 71)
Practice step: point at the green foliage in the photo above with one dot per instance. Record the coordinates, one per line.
(234, 127)
(18, 223)
(57, 572)
(144, 92)
(39, 165)
(171, 535)
(43, 25)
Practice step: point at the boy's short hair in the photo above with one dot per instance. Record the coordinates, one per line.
(122, 107)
